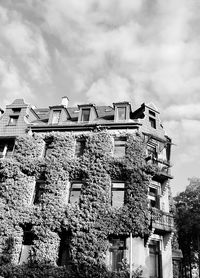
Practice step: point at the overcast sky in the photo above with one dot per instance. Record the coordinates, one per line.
(105, 51)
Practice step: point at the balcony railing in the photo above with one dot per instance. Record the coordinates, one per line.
(162, 220)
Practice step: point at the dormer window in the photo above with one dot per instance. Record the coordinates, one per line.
(87, 113)
(16, 110)
(56, 116)
(85, 117)
(122, 111)
(152, 119)
(13, 120)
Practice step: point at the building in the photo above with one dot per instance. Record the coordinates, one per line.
(86, 185)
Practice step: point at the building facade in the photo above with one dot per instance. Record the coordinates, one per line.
(86, 185)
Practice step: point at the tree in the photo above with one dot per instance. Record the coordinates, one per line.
(188, 225)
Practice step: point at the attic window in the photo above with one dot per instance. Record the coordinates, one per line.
(56, 116)
(85, 116)
(152, 122)
(16, 110)
(121, 113)
(13, 120)
(152, 113)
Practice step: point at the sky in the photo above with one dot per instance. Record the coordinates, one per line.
(107, 51)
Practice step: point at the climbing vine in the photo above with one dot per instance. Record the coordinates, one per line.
(90, 222)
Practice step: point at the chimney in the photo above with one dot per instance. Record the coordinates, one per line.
(65, 101)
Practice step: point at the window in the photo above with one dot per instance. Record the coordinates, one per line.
(117, 252)
(152, 122)
(152, 113)
(48, 147)
(121, 113)
(117, 198)
(64, 249)
(85, 115)
(153, 196)
(16, 110)
(39, 190)
(119, 147)
(152, 151)
(154, 259)
(13, 120)
(75, 192)
(28, 238)
(6, 148)
(56, 116)
(80, 146)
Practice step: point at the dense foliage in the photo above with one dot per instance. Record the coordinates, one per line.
(188, 225)
(90, 222)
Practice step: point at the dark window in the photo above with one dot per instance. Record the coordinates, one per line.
(152, 113)
(75, 192)
(6, 148)
(48, 147)
(121, 113)
(152, 122)
(85, 115)
(13, 120)
(28, 238)
(56, 116)
(154, 197)
(80, 146)
(154, 259)
(16, 110)
(119, 148)
(117, 200)
(64, 249)
(39, 190)
(117, 252)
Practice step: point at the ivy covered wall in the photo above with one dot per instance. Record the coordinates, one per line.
(90, 222)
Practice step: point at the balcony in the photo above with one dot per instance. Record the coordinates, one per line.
(162, 221)
(163, 167)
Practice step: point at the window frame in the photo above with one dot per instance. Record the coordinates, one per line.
(119, 143)
(117, 251)
(79, 152)
(57, 118)
(26, 246)
(118, 114)
(118, 186)
(75, 190)
(15, 118)
(88, 116)
(38, 192)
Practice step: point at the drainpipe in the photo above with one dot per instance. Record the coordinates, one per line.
(131, 255)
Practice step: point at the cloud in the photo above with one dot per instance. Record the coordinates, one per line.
(11, 84)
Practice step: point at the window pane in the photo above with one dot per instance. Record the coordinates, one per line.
(117, 195)
(152, 122)
(13, 120)
(39, 190)
(117, 251)
(75, 193)
(121, 113)
(25, 254)
(154, 259)
(119, 148)
(80, 146)
(56, 116)
(64, 250)
(85, 115)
